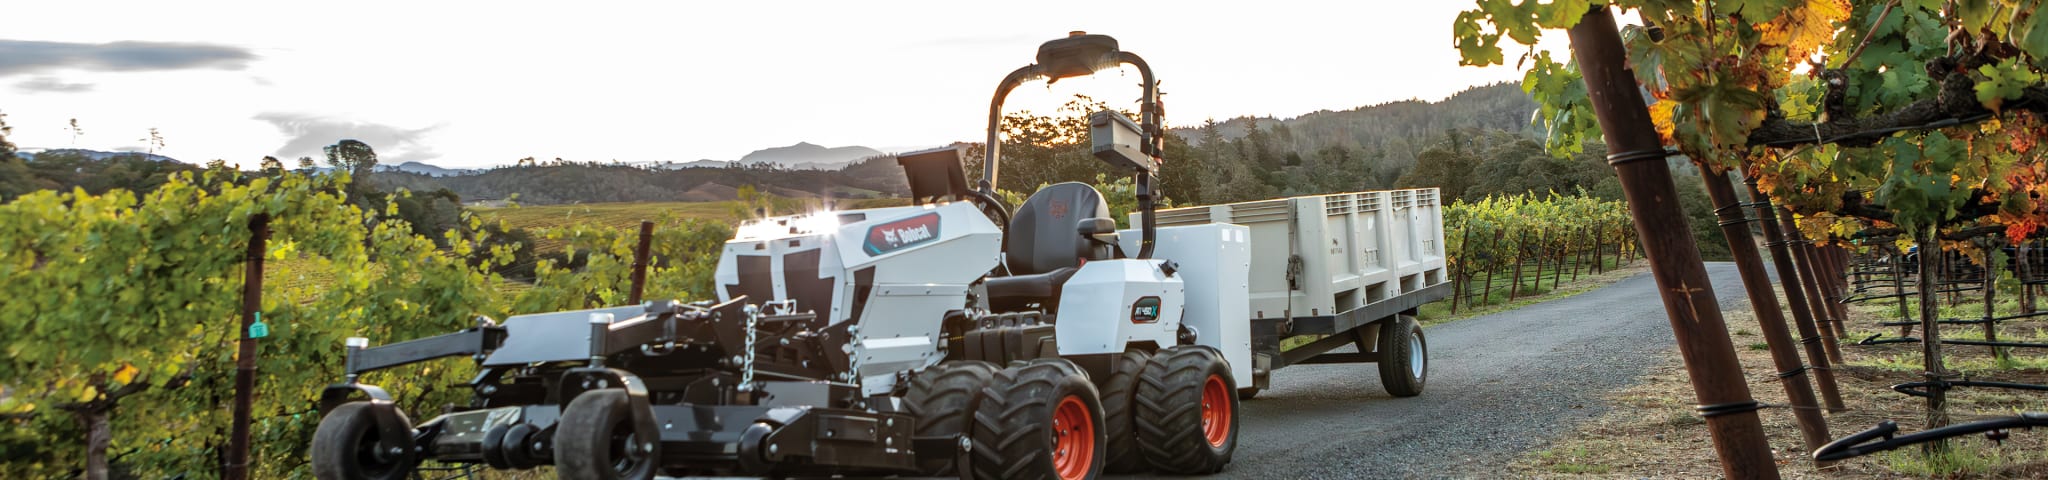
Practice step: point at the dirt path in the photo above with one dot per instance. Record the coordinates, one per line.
(1499, 385)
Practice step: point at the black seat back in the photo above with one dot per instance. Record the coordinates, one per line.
(1045, 232)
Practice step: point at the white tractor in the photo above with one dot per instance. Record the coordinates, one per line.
(1057, 344)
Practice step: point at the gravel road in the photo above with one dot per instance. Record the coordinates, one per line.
(1499, 385)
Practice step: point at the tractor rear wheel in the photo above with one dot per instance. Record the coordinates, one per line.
(1187, 411)
(345, 447)
(942, 398)
(594, 440)
(1119, 394)
(1039, 419)
(1404, 356)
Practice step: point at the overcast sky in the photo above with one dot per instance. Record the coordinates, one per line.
(485, 83)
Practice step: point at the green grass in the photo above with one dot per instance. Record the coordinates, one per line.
(1960, 458)
(1497, 300)
(1576, 459)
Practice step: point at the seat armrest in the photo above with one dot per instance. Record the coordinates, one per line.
(1090, 227)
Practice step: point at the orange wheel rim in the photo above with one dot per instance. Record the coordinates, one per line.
(1073, 439)
(1215, 411)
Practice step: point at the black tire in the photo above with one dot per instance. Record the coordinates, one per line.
(942, 398)
(1119, 393)
(1176, 406)
(519, 446)
(593, 438)
(1017, 430)
(344, 447)
(1404, 356)
(494, 447)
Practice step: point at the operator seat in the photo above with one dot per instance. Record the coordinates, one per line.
(1047, 245)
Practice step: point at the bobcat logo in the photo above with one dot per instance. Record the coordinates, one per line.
(896, 235)
(1058, 209)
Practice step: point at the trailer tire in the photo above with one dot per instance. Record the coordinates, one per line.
(1119, 394)
(1404, 356)
(594, 437)
(339, 447)
(1187, 415)
(1039, 419)
(942, 398)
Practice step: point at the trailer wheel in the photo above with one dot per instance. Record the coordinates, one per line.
(345, 447)
(1187, 411)
(594, 440)
(942, 398)
(1404, 356)
(1119, 393)
(1039, 419)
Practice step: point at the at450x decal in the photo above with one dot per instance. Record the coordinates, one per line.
(897, 235)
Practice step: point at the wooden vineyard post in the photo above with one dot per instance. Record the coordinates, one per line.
(1990, 295)
(1814, 301)
(1492, 265)
(2022, 271)
(1580, 261)
(1930, 329)
(1702, 335)
(1521, 245)
(1795, 298)
(237, 467)
(1832, 260)
(1463, 285)
(1599, 251)
(1813, 428)
(1564, 252)
(1899, 291)
(640, 258)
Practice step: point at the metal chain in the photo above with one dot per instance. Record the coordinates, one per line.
(747, 362)
(853, 355)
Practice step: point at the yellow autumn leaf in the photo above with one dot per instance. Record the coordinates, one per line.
(1804, 29)
(86, 393)
(1660, 114)
(126, 374)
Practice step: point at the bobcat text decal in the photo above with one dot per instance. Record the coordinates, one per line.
(893, 236)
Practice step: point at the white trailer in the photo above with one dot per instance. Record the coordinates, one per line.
(1343, 268)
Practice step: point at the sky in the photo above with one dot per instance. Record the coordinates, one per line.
(470, 84)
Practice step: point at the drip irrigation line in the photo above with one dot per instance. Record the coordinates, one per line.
(1882, 437)
(1920, 389)
(1973, 321)
(1874, 340)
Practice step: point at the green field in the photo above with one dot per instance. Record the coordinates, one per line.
(622, 215)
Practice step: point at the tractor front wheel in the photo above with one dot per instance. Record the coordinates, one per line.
(1039, 419)
(943, 400)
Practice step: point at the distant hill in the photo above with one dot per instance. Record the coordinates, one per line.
(1396, 128)
(590, 183)
(808, 155)
(425, 169)
(94, 155)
